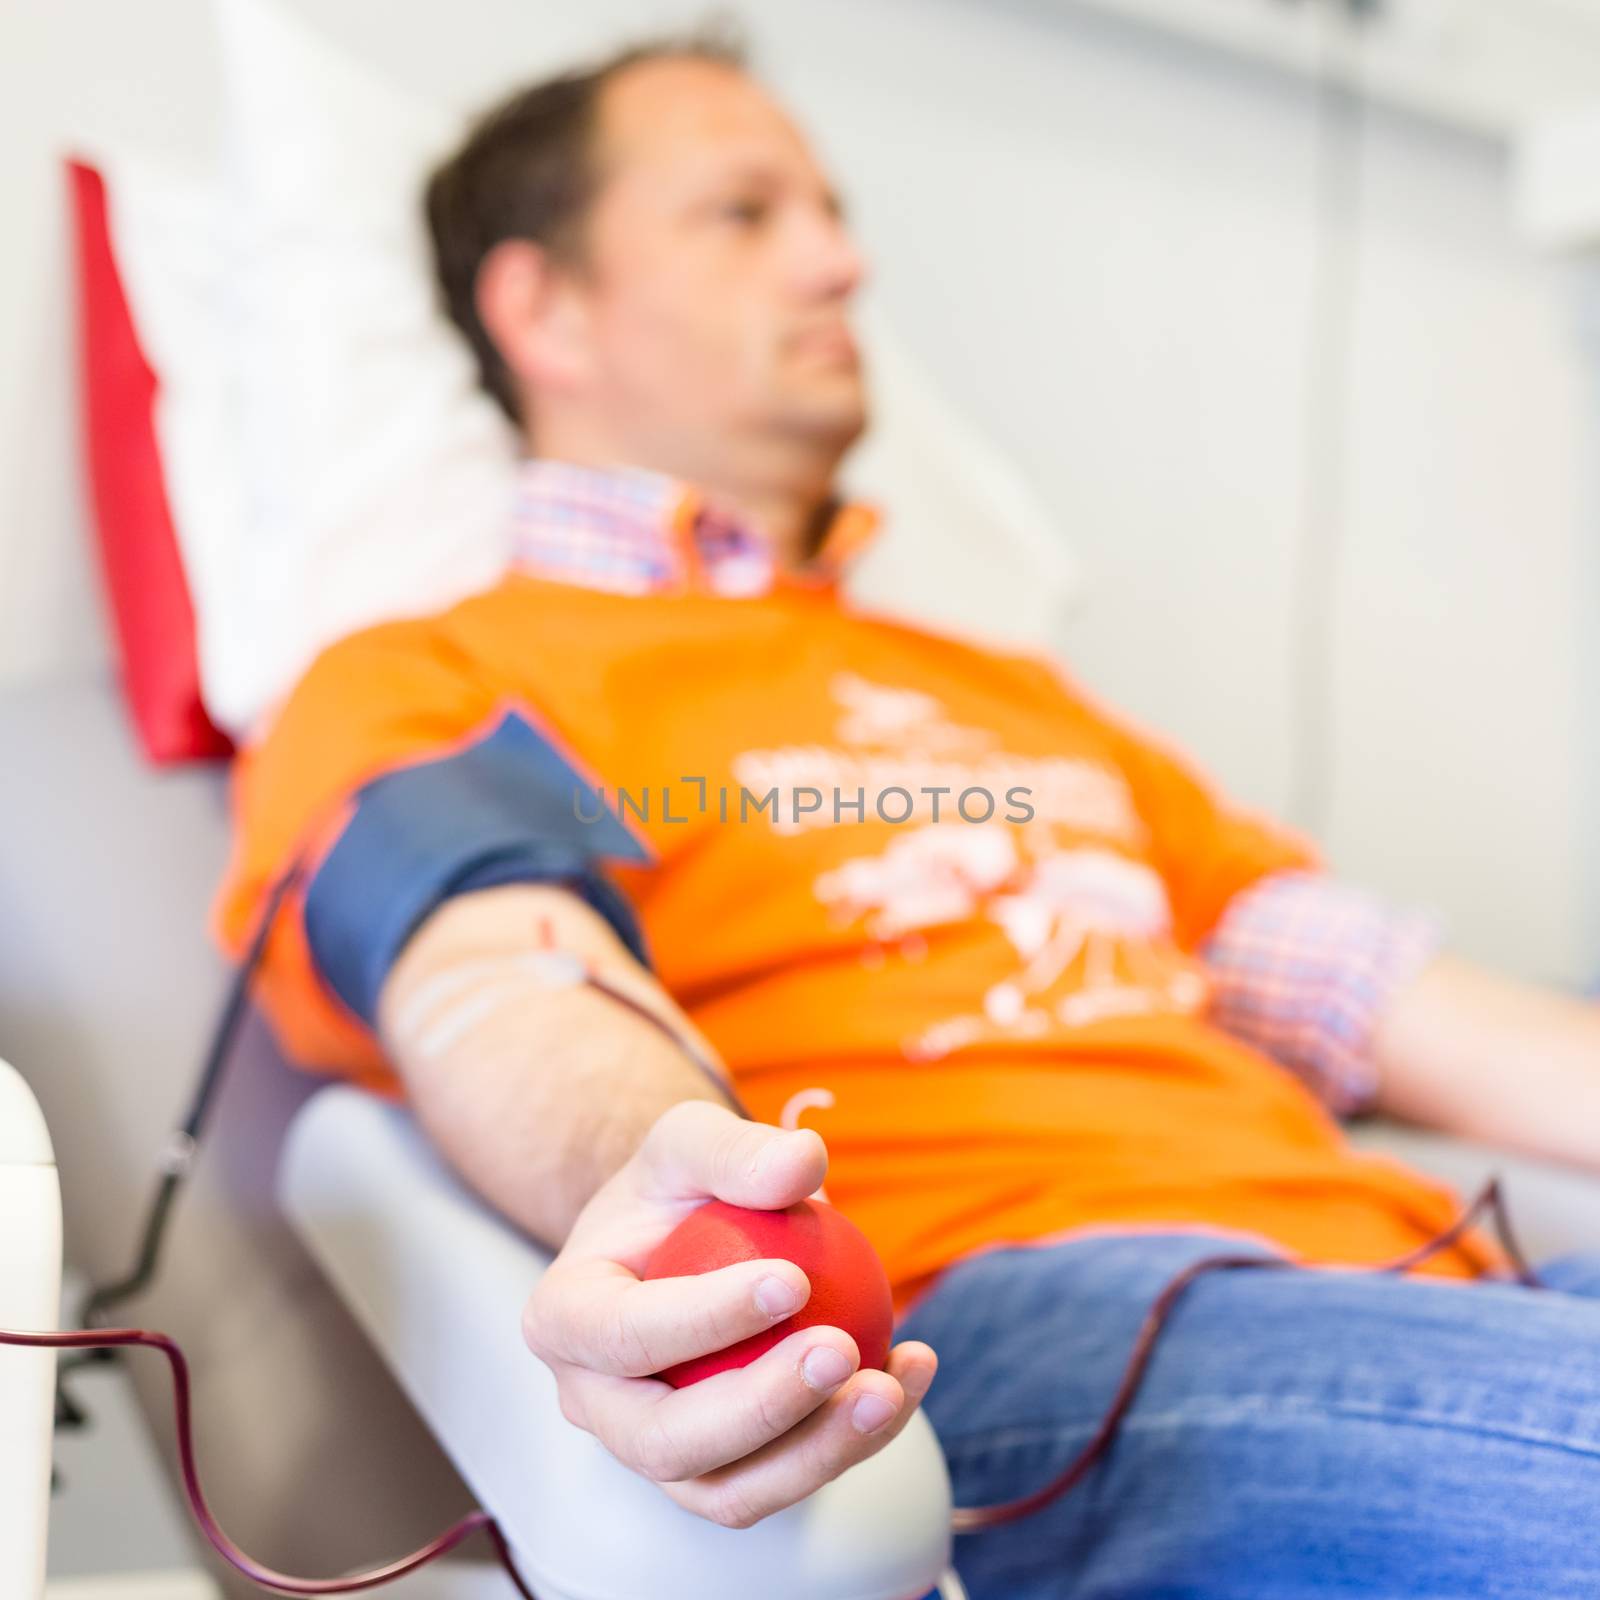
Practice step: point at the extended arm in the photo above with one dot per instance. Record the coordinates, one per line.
(581, 1121)
(1472, 1053)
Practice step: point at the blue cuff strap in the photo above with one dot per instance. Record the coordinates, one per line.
(504, 810)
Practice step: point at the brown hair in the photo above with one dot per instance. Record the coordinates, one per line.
(526, 170)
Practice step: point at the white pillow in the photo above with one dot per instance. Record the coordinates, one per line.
(338, 465)
(378, 478)
(171, 258)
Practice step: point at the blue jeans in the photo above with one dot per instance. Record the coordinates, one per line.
(1296, 1433)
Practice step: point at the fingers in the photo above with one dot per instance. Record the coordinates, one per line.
(697, 1149)
(598, 1316)
(856, 1422)
(672, 1436)
(668, 1434)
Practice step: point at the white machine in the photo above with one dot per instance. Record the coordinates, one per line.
(30, 1295)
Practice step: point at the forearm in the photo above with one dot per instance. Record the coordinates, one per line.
(1472, 1053)
(535, 1094)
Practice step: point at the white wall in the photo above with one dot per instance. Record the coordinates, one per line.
(1464, 756)
(1105, 242)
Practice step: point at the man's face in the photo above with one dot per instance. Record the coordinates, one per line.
(719, 275)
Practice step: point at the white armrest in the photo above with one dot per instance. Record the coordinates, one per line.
(438, 1281)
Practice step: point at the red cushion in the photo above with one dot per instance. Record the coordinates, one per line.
(139, 555)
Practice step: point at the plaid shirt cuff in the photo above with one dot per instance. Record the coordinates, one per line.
(1302, 968)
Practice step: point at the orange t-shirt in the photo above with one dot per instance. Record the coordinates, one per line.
(996, 1019)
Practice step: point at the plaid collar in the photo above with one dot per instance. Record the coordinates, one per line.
(638, 532)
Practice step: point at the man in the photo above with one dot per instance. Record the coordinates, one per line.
(1050, 1043)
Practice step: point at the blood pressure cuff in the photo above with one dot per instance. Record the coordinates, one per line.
(506, 809)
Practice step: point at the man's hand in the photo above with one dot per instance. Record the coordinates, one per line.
(744, 1443)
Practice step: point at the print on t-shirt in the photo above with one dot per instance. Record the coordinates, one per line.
(1091, 928)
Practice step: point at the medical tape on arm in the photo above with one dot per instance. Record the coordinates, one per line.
(450, 1003)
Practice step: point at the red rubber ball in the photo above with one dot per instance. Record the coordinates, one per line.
(849, 1288)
